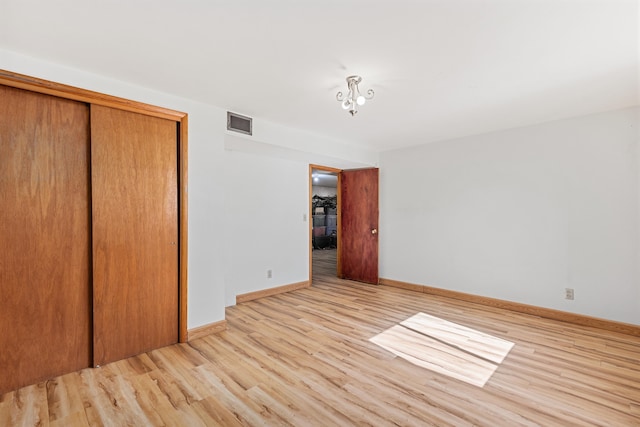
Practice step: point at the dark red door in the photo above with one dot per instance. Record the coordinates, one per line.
(359, 225)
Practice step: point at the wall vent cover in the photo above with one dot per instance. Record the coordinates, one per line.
(238, 123)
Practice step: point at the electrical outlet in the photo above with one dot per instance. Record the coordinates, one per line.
(269, 274)
(568, 293)
(304, 217)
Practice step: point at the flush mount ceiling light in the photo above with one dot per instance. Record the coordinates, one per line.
(354, 98)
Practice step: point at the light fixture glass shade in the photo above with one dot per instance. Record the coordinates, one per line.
(353, 98)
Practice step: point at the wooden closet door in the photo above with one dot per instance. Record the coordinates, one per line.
(135, 233)
(44, 229)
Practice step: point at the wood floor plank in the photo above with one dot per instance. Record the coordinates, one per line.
(155, 404)
(26, 407)
(470, 340)
(213, 413)
(432, 354)
(64, 400)
(234, 397)
(305, 358)
(75, 419)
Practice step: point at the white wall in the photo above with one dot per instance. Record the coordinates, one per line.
(266, 199)
(209, 219)
(266, 204)
(521, 214)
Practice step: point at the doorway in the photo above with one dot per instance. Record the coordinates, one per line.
(323, 214)
(352, 232)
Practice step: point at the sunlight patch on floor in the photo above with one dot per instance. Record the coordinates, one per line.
(445, 347)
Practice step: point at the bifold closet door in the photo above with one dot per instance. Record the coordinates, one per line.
(44, 229)
(135, 233)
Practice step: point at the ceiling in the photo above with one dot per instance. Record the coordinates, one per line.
(440, 69)
(324, 179)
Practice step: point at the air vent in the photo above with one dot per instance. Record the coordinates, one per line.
(238, 123)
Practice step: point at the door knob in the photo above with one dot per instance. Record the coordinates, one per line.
(374, 231)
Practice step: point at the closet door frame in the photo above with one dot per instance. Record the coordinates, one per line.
(33, 84)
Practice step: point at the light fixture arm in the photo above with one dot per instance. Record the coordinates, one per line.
(354, 98)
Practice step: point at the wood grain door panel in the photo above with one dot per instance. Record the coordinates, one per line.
(135, 233)
(359, 225)
(44, 229)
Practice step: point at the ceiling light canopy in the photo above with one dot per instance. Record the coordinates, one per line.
(354, 98)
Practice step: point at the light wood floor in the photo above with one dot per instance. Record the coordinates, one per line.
(304, 358)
